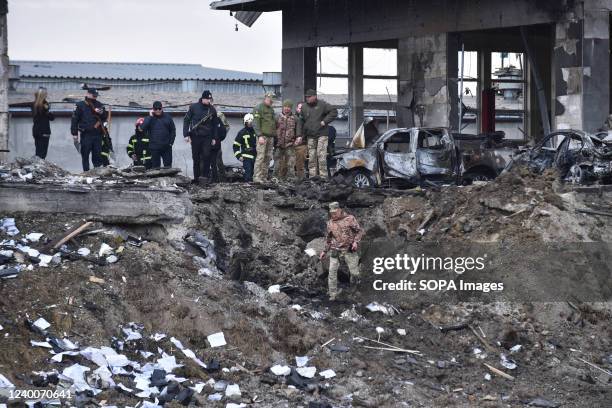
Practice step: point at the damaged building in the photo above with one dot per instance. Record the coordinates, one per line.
(564, 48)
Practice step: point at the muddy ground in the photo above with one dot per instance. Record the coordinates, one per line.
(260, 235)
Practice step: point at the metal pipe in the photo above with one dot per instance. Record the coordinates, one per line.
(461, 86)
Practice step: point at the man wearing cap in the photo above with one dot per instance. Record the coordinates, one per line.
(264, 124)
(343, 237)
(284, 153)
(162, 132)
(87, 124)
(313, 125)
(199, 129)
(138, 146)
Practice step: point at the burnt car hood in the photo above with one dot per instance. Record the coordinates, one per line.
(359, 158)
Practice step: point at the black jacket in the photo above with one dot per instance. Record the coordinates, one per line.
(139, 145)
(197, 112)
(41, 120)
(84, 119)
(245, 143)
(161, 130)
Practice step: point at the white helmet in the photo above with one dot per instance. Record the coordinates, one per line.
(249, 118)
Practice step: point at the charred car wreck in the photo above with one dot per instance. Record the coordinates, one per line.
(417, 156)
(578, 157)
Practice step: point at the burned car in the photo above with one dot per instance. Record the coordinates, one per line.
(578, 157)
(417, 156)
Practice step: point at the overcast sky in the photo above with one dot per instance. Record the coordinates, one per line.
(172, 31)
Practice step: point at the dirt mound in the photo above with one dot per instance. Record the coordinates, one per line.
(244, 238)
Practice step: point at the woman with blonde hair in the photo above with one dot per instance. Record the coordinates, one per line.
(41, 130)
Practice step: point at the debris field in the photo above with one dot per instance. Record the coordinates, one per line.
(227, 308)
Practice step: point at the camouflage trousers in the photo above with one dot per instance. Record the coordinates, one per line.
(301, 152)
(284, 163)
(317, 156)
(352, 261)
(262, 161)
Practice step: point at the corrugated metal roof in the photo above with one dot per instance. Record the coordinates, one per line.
(129, 71)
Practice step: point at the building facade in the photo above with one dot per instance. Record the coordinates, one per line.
(565, 47)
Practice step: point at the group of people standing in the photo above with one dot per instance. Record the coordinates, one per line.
(290, 138)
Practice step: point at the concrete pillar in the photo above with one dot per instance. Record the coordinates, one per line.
(4, 81)
(427, 81)
(299, 72)
(581, 70)
(355, 67)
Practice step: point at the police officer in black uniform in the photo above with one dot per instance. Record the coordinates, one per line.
(88, 120)
(200, 129)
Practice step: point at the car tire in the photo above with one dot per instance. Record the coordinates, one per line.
(361, 179)
(469, 178)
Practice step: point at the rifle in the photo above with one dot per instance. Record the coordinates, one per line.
(202, 121)
(99, 124)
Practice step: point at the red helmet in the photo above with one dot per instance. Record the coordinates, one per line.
(139, 121)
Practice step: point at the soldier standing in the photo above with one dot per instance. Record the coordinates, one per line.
(284, 146)
(313, 124)
(87, 124)
(264, 124)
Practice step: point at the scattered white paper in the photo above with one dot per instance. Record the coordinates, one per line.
(377, 307)
(507, 362)
(83, 251)
(233, 405)
(168, 363)
(327, 374)
(301, 361)
(158, 336)
(297, 308)
(216, 340)
(217, 396)
(233, 390)
(44, 344)
(177, 343)
(310, 252)
(401, 332)
(380, 330)
(274, 289)
(280, 370)
(124, 388)
(146, 354)
(516, 349)
(42, 324)
(198, 387)
(105, 250)
(45, 260)
(76, 373)
(307, 372)
(131, 334)
(34, 236)
(111, 259)
(59, 356)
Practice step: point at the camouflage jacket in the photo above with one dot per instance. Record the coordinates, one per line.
(286, 126)
(342, 233)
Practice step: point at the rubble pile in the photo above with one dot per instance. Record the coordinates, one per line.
(228, 309)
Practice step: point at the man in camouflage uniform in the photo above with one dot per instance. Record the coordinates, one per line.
(264, 124)
(301, 150)
(343, 237)
(313, 125)
(284, 153)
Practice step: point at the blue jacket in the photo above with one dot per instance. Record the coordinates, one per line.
(161, 130)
